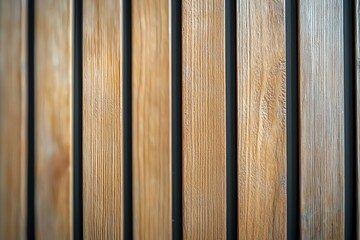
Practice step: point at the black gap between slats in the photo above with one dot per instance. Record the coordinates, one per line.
(30, 216)
(350, 119)
(127, 121)
(77, 122)
(176, 119)
(292, 120)
(231, 120)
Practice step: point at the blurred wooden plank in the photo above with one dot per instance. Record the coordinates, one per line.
(53, 94)
(151, 119)
(102, 119)
(357, 65)
(13, 118)
(203, 74)
(321, 84)
(261, 92)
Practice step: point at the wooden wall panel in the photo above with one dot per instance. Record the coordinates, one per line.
(13, 120)
(261, 102)
(204, 162)
(151, 119)
(102, 119)
(321, 85)
(53, 94)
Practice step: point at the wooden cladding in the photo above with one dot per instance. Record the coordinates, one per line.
(126, 73)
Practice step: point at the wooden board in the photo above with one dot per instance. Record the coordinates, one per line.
(357, 65)
(261, 94)
(204, 160)
(102, 119)
(53, 99)
(13, 119)
(321, 86)
(151, 119)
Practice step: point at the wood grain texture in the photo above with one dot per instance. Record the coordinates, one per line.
(321, 86)
(53, 99)
(357, 65)
(102, 119)
(204, 160)
(13, 120)
(151, 119)
(261, 94)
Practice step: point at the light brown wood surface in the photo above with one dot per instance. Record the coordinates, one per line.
(203, 77)
(13, 119)
(102, 119)
(321, 89)
(261, 94)
(357, 65)
(151, 119)
(53, 99)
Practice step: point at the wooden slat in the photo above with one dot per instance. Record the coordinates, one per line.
(203, 76)
(261, 119)
(151, 119)
(357, 65)
(13, 96)
(102, 119)
(321, 85)
(53, 94)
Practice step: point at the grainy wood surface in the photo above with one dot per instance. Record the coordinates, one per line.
(203, 76)
(261, 119)
(13, 85)
(151, 119)
(357, 65)
(53, 84)
(102, 119)
(321, 86)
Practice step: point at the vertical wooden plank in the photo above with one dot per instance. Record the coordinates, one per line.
(321, 84)
(151, 119)
(53, 84)
(203, 76)
(102, 119)
(357, 65)
(261, 119)
(13, 120)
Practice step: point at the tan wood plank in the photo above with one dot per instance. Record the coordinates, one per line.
(261, 91)
(13, 119)
(357, 65)
(321, 86)
(53, 99)
(203, 76)
(102, 119)
(151, 119)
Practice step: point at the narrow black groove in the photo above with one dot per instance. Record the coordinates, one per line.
(176, 119)
(77, 122)
(231, 121)
(292, 122)
(127, 121)
(30, 225)
(350, 119)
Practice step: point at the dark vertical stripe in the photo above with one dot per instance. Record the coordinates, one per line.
(127, 121)
(30, 228)
(292, 122)
(231, 120)
(176, 119)
(77, 122)
(350, 119)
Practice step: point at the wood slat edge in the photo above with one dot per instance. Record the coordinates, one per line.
(13, 120)
(151, 102)
(261, 98)
(203, 89)
(321, 89)
(102, 119)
